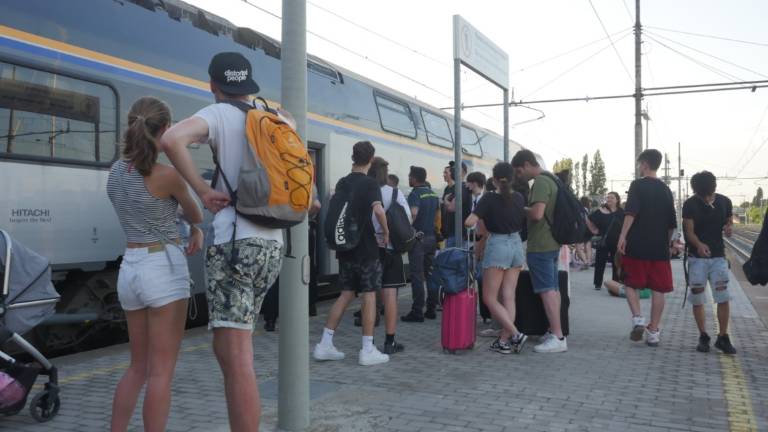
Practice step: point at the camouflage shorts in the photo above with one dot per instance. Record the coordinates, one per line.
(361, 277)
(236, 289)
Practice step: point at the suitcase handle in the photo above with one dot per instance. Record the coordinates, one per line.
(471, 280)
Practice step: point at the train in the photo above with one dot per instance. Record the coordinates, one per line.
(69, 72)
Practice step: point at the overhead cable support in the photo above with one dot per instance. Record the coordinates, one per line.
(709, 67)
(570, 51)
(651, 91)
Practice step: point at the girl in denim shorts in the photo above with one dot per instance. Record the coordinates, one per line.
(501, 215)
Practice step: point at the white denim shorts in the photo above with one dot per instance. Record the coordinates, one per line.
(152, 277)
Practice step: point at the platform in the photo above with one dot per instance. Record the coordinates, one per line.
(603, 383)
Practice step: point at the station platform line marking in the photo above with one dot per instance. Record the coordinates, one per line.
(738, 400)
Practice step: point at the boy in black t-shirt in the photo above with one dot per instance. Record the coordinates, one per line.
(706, 216)
(645, 238)
(359, 268)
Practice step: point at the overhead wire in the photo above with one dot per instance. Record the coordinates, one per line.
(358, 54)
(708, 55)
(379, 35)
(570, 51)
(567, 71)
(605, 30)
(711, 68)
(710, 36)
(629, 14)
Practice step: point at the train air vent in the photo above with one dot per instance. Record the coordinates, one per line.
(325, 71)
(254, 40)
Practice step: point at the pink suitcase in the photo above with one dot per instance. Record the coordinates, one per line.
(459, 320)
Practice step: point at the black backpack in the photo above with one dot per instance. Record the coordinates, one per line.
(568, 225)
(342, 232)
(402, 235)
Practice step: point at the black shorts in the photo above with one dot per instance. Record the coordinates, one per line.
(361, 277)
(393, 272)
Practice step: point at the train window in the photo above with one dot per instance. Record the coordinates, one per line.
(438, 132)
(470, 143)
(395, 116)
(55, 116)
(493, 145)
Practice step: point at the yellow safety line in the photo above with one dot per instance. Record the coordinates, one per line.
(738, 401)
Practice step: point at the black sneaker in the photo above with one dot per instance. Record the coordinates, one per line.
(597, 287)
(501, 347)
(392, 348)
(358, 314)
(412, 316)
(518, 342)
(269, 326)
(703, 345)
(430, 314)
(723, 343)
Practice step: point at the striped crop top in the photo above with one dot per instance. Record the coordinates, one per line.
(144, 217)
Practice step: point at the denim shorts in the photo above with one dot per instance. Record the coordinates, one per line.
(543, 267)
(712, 270)
(152, 277)
(503, 251)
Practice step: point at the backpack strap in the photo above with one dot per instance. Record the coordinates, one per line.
(394, 197)
(687, 277)
(559, 184)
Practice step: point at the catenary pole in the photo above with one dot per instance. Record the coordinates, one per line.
(506, 125)
(457, 148)
(638, 88)
(293, 370)
(680, 173)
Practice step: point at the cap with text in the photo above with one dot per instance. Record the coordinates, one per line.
(232, 74)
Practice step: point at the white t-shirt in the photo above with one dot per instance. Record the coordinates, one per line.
(226, 133)
(386, 198)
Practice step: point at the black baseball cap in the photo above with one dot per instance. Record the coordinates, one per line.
(232, 74)
(463, 165)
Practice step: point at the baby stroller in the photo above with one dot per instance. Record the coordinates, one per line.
(27, 297)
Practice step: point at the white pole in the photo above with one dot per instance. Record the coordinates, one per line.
(293, 369)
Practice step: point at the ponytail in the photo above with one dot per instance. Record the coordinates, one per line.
(146, 119)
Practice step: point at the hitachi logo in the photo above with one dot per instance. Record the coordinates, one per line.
(30, 213)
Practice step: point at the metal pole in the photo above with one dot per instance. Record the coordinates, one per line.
(457, 149)
(506, 125)
(679, 187)
(647, 131)
(638, 90)
(293, 369)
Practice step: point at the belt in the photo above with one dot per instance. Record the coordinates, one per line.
(156, 248)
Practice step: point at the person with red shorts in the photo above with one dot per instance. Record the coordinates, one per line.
(644, 242)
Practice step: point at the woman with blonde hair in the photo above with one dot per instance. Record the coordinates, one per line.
(153, 283)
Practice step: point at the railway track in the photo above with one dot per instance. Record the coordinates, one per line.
(743, 239)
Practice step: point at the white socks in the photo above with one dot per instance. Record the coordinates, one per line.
(327, 339)
(368, 343)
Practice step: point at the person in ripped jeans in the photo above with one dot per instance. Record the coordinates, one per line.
(240, 268)
(706, 217)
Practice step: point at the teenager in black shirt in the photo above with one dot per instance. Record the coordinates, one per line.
(359, 268)
(644, 241)
(502, 215)
(706, 217)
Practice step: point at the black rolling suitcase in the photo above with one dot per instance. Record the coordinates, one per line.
(530, 318)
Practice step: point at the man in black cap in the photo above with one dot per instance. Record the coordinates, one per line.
(425, 206)
(235, 290)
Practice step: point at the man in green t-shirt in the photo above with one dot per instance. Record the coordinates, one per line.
(543, 251)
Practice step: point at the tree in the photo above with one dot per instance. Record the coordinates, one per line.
(755, 215)
(597, 176)
(757, 201)
(584, 166)
(577, 177)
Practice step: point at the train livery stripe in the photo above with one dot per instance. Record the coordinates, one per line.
(57, 50)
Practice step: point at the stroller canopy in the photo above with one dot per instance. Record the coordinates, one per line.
(26, 291)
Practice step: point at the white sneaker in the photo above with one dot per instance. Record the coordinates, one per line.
(372, 357)
(551, 345)
(638, 327)
(327, 353)
(652, 338)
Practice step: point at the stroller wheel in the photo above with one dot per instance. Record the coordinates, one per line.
(44, 407)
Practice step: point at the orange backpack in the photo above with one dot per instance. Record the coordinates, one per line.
(274, 188)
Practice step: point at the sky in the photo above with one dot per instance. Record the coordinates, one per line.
(724, 132)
